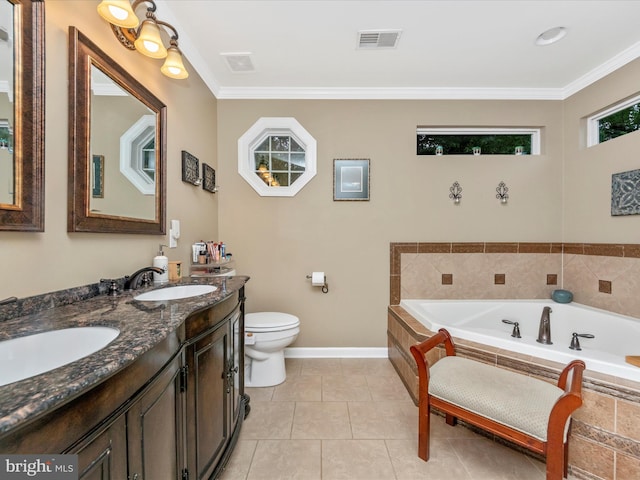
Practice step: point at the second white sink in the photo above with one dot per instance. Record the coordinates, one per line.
(175, 293)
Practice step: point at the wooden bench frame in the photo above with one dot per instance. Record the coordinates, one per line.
(555, 449)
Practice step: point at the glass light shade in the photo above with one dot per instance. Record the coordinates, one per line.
(118, 12)
(173, 66)
(149, 42)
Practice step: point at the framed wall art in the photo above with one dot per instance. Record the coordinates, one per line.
(190, 168)
(97, 176)
(208, 178)
(625, 193)
(351, 179)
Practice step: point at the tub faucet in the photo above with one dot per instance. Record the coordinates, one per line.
(132, 282)
(544, 331)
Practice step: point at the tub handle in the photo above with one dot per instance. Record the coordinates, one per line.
(575, 343)
(516, 328)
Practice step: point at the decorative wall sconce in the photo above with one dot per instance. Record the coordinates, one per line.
(502, 194)
(456, 193)
(191, 169)
(209, 178)
(146, 38)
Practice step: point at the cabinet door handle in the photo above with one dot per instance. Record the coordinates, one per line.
(230, 372)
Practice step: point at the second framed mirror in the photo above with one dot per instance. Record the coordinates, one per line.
(117, 146)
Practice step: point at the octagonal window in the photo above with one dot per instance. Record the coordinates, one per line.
(277, 156)
(138, 154)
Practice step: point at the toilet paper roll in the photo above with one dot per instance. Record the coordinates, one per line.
(317, 279)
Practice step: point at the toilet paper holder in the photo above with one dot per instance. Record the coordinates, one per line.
(324, 286)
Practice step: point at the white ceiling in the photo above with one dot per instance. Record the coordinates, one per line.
(447, 49)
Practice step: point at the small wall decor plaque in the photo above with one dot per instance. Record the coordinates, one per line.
(190, 168)
(625, 193)
(351, 179)
(208, 178)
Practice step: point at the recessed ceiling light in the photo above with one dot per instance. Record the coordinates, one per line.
(551, 36)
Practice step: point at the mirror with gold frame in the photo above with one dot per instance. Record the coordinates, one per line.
(22, 115)
(117, 146)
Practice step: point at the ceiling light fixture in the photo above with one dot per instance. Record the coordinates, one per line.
(145, 38)
(551, 36)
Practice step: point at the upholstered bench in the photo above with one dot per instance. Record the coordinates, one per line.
(524, 410)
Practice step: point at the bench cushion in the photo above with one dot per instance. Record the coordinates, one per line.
(518, 401)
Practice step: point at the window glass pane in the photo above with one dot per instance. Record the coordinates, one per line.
(264, 146)
(149, 159)
(281, 179)
(297, 162)
(619, 123)
(280, 143)
(463, 144)
(295, 147)
(262, 161)
(294, 176)
(280, 161)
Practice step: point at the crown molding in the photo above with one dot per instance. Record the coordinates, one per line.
(300, 93)
(610, 66)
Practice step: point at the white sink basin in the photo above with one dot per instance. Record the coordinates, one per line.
(175, 293)
(32, 355)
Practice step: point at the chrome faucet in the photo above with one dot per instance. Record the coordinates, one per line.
(134, 280)
(544, 331)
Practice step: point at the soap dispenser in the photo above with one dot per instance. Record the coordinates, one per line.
(162, 262)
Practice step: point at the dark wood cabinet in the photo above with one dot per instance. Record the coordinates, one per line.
(214, 402)
(174, 414)
(146, 440)
(104, 457)
(155, 427)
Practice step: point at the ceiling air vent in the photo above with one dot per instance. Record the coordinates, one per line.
(239, 62)
(378, 39)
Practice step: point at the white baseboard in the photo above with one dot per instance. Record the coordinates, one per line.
(336, 352)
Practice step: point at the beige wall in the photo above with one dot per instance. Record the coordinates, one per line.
(35, 263)
(587, 189)
(278, 241)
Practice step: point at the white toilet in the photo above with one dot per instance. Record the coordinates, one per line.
(265, 338)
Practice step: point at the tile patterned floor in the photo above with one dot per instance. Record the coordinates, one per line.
(352, 419)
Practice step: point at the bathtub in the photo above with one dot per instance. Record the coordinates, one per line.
(481, 321)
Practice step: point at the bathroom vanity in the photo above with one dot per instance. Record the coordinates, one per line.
(165, 400)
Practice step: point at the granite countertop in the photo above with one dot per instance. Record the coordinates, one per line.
(142, 326)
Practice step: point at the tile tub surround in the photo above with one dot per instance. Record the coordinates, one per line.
(142, 325)
(531, 270)
(605, 441)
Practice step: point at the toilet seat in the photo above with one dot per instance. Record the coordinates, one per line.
(269, 322)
